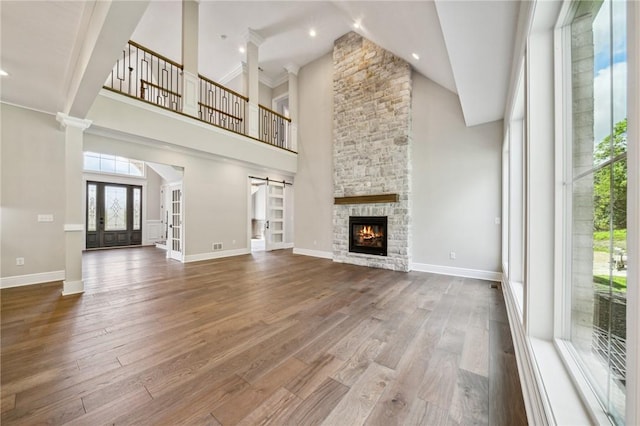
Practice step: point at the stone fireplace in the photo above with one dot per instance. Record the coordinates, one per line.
(372, 134)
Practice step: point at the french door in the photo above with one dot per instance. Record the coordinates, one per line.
(114, 215)
(275, 226)
(175, 237)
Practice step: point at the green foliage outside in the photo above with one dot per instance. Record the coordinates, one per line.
(603, 189)
(619, 283)
(610, 204)
(601, 240)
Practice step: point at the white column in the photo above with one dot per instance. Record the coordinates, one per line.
(73, 217)
(292, 70)
(254, 41)
(190, 95)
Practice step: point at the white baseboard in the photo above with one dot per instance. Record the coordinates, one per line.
(457, 272)
(216, 255)
(313, 253)
(287, 245)
(72, 287)
(39, 278)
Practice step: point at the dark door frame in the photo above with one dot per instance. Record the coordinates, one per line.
(101, 238)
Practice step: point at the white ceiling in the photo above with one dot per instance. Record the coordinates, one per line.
(465, 46)
(38, 48)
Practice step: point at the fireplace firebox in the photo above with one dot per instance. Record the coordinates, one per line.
(368, 235)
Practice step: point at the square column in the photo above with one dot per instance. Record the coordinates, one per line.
(253, 40)
(292, 71)
(190, 83)
(73, 216)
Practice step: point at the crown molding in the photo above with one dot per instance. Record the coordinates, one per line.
(292, 68)
(252, 36)
(232, 74)
(264, 79)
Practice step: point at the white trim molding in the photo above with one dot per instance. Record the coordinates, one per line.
(313, 253)
(73, 227)
(68, 121)
(72, 287)
(457, 272)
(215, 255)
(537, 414)
(31, 279)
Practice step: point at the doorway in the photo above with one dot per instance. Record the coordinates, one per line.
(114, 215)
(258, 214)
(267, 214)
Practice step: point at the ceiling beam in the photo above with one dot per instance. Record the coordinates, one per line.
(98, 45)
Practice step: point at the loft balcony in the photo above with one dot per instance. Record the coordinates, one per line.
(149, 77)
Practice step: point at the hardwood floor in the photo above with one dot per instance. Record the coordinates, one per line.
(270, 338)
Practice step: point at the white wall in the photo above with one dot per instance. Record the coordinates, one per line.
(456, 172)
(280, 90)
(258, 204)
(236, 84)
(32, 184)
(154, 182)
(313, 211)
(215, 193)
(265, 95)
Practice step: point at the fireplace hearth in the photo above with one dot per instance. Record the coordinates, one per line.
(368, 235)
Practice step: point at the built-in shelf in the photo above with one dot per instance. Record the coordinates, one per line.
(367, 199)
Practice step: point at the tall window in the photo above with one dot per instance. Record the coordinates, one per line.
(597, 177)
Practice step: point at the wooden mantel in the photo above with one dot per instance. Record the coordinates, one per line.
(367, 199)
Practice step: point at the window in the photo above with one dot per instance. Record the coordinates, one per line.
(105, 163)
(597, 199)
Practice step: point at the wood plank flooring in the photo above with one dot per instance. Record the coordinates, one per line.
(270, 338)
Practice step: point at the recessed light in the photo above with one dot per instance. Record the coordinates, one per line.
(241, 49)
(3, 73)
(312, 32)
(357, 25)
(415, 56)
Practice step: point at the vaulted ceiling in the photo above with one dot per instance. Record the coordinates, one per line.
(465, 46)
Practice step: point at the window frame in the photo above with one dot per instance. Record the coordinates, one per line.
(563, 228)
(114, 173)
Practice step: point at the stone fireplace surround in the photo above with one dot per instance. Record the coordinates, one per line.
(371, 150)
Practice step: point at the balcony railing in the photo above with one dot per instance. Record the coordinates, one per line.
(274, 128)
(222, 107)
(147, 75)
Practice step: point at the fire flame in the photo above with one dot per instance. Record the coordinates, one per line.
(367, 233)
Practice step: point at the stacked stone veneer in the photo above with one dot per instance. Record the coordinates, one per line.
(582, 59)
(372, 135)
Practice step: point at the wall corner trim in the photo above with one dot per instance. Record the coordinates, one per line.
(457, 272)
(30, 279)
(313, 253)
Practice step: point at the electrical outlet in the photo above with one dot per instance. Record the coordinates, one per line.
(216, 246)
(497, 221)
(20, 261)
(452, 255)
